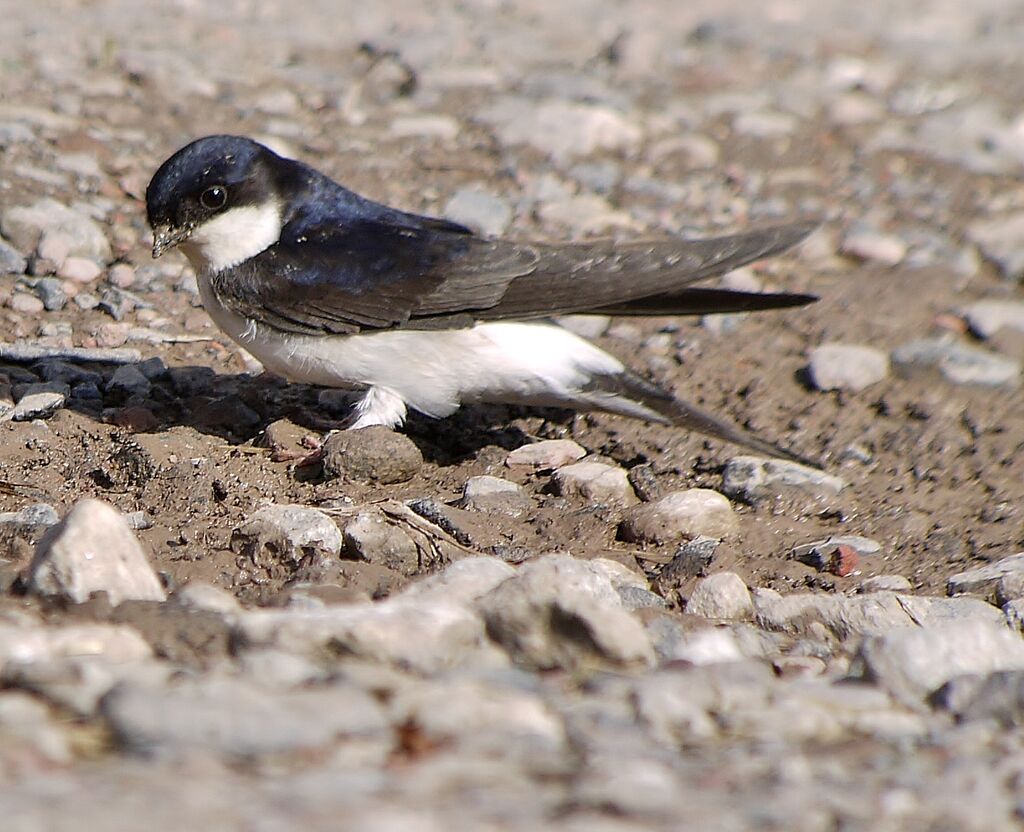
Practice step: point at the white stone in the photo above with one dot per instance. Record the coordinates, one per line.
(753, 477)
(721, 596)
(463, 581)
(560, 612)
(93, 550)
(595, 481)
(287, 532)
(847, 366)
(915, 661)
(680, 515)
(546, 455)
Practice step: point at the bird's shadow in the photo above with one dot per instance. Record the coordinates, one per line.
(238, 408)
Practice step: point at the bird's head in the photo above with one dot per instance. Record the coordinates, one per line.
(217, 198)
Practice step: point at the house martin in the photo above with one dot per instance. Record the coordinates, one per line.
(327, 287)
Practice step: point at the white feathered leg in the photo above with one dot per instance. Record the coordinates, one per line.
(379, 407)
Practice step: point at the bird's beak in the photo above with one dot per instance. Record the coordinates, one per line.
(165, 237)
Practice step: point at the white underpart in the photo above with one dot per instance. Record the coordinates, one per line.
(432, 371)
(233, 236)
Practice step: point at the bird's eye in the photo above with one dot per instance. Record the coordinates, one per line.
(214, 198)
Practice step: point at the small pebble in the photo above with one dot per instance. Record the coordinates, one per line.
(847, 367)
(864, 243)
(79, 269)
(546, 455)
(680, 514)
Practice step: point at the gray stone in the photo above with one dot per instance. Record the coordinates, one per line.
(34, 517)
(866, 243)
(237, 718)
(207, 597)
(999, 239)
(562, 129)
(913, 662)
(78, 683)
(679, 515)
(751, 478)
(885, 583)
(116, 643)
(286, 533)
(559, 612)
(371, 537)
(36, 406)
(596, 482)
(375, 454)
(12, 261)
(477, 715)
(958, 363)
(546, 455)
(1010, 587)
(721, 596)
(847, 367)
(987, 317)
(486, 493)
(983, 579)
(479, 209)
(24, 226)
(51, 293)
(998, 696)
(128, 380)
(1013, 611)
(26, 722)
(871, 614)
(425, 636)
(93, 550)
(462, 582)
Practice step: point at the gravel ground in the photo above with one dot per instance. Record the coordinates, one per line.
(522, 619)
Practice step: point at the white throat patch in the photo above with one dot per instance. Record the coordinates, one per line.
(234, 236)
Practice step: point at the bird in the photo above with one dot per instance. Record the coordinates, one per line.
(327, 287)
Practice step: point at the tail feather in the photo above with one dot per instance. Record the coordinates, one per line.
(629, 394)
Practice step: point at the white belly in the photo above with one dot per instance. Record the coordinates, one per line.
(432, 371)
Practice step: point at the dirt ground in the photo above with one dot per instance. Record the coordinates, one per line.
(934, 471)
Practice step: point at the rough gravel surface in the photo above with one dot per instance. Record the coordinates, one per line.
(624, 627)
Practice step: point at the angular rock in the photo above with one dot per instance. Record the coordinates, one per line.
(559, 612)
(546, 455)
(485, 493)
(36, 406)
(721, 596)
(35, 517)
(372, 538)
(42, 645)
(479, 209)
(987, 317)
(23, 226)
(376, 455)
(984, 579)
(462, 582)
(885, 583)
(851, 367)
(873, 614)
(563, 129)
(286, 533)
(93, 550)
(866, 243)
(685, 514)
(911, 663)
(425, 636)
(12, 261)
(236, 717)
(478, 715)
(999, 239)
(128, 380)
(958, 363)
(751, 478)
(998, 696)
(596, 482)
